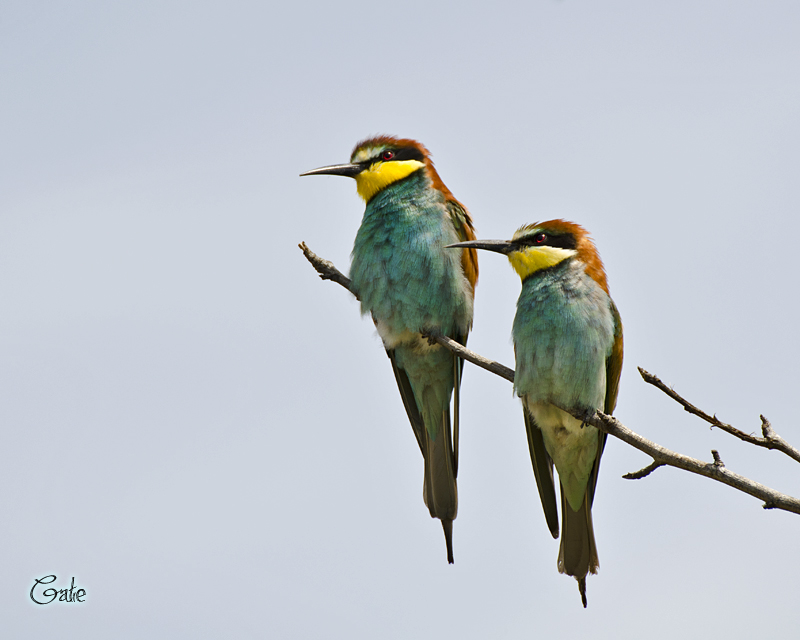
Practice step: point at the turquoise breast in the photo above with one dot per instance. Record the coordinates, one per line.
(563, 334)
(400, 269)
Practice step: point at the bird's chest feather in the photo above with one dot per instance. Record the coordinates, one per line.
(400, 269)
(563, 335)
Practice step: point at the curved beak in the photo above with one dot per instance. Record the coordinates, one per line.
(500, 246)
(350, 170)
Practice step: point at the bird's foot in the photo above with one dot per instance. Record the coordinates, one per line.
(430, 335)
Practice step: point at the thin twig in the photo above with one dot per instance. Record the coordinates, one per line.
(772, 499)
(326, 269)
(771, 440)
(661, 456)
(643, 473)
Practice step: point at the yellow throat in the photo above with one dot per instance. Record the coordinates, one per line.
(532, 259)
(382, 174)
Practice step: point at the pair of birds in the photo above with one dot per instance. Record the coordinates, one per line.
(409, 275)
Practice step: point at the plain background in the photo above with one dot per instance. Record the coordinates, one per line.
(209, 438)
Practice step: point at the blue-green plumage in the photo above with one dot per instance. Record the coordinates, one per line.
(563, 336)
(400, 270)
(568, 346)
(407, 281)
(563, 333)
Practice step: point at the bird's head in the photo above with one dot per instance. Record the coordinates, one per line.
(383, 160)
(539, 246)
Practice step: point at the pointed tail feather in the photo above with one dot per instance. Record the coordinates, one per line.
(439, 489)
(426, 385)
(577, 556)
(447, 525)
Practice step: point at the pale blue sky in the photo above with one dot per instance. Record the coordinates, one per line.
(211, 440)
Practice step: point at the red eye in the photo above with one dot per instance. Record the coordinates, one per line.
(387, 155)
(539, 238)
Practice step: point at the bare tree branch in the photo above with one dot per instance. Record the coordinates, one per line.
(461, 351)
(661, 456)
(326, 269)
(771, 440)
(643, 473)
(714, 470)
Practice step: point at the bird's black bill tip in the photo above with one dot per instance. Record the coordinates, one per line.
(499, 246)
(349, 170)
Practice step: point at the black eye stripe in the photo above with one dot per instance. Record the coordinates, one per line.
(404, 153)
(560, 240)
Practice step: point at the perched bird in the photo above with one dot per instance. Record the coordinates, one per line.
(568, 347)
(407, 281)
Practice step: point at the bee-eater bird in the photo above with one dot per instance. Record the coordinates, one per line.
(568, 347)
(407, 281)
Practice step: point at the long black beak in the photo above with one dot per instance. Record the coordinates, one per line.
(350, 170)
(500, 246)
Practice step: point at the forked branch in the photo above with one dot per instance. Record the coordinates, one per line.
(771, 440)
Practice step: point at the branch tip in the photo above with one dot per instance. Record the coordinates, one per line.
(326, 269)
(642, 473)
(766, 429)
